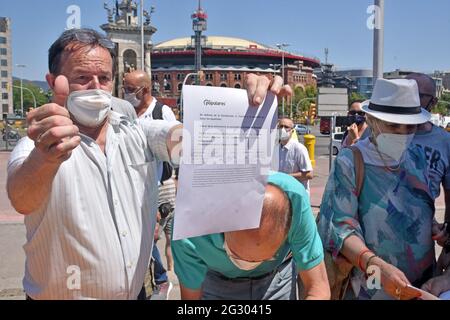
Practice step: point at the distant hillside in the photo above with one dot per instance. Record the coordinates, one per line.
(41, 84)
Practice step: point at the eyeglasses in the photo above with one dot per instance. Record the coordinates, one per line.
(88, 38)
(353, 113)
(131, 90)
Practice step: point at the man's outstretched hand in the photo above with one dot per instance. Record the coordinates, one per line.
(51, 128)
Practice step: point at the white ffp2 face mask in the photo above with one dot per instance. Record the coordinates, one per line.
(394, 145)
(89, 107)
(283, 135)
(131, 98)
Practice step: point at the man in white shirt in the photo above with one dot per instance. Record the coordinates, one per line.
(86, 179)
(294, 157)
(137, 89)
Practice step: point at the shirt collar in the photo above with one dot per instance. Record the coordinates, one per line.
(289, 144)
(149, 111)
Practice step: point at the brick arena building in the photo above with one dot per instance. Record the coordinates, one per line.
(225, 63)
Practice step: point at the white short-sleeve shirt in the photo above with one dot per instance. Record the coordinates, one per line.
(294, 158)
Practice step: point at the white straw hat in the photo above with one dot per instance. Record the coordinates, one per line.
(396, 101)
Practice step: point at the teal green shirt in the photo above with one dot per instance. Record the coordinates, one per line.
(194, 256)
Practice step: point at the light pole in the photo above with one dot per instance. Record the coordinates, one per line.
(142, 37)
(281, 47)
(275, 67)
(21, 85)
(378, 40)
(34, 97)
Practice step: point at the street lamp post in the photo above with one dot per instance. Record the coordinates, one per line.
(34, 97)
(378, 40)
(142, 37)
(21, 85)
(275, 67)
(281, 47)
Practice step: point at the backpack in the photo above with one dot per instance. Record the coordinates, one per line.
(157, 114)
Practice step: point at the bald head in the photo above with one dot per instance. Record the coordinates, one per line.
(137, 78)
(138, 82)
(427, 89)
(262, 243)
(285, 121)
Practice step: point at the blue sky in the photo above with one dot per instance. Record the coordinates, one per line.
(417, 32)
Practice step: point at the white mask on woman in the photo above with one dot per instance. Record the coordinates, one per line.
(393, 145)
(89, 107)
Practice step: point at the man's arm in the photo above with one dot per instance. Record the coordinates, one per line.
(55, 136)
(438, 285)
(315, 282)
(29, 183)
(440, 234)
(304, 164)
(303, 176)
(168, 114)
(190, 294)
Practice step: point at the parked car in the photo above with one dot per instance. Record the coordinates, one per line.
(337, 142)
(302, 129)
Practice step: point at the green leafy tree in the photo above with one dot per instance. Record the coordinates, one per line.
(28, 101)
(303, 99)
(356, 96)
(443, 106)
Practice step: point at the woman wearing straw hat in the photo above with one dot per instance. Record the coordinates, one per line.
(385, 223)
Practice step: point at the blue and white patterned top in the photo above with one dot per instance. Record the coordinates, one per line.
(393, 216)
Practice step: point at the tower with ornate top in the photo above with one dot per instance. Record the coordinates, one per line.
(124, 29)
(199, 24)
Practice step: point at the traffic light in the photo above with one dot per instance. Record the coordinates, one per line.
(312, 110)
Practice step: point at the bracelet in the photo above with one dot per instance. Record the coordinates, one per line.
(364, 251)
(368, 261)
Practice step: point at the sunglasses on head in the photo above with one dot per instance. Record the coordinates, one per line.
(90, 39)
